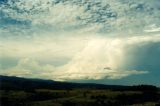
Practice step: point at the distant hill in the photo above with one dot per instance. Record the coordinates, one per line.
(15, 91)
(17, 83)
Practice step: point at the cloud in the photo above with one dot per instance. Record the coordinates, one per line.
(27, 67)
(89, 62)
(79, 39)
(99, 53)
(62, 15)
(32, 69)
(152, 28)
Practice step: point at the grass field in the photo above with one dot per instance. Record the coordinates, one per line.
(34, 92)
(77, 97)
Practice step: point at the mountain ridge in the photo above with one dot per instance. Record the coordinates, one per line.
(17, 83)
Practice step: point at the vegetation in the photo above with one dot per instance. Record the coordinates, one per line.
(33, 92)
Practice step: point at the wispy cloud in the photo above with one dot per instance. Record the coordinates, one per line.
(63, 15)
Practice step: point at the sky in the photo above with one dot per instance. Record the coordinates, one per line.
(95, 41)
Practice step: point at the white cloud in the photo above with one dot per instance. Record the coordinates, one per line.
(152, 28)
(98, 54)
(27, 67)
(101, 15)
(98, 58)
(62, 37)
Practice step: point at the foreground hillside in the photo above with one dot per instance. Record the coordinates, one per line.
(35, 92)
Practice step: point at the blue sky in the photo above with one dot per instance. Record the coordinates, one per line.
(102, 41)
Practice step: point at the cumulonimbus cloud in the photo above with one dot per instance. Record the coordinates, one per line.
(101, 58)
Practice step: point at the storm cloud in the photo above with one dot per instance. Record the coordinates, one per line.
(80, 39)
